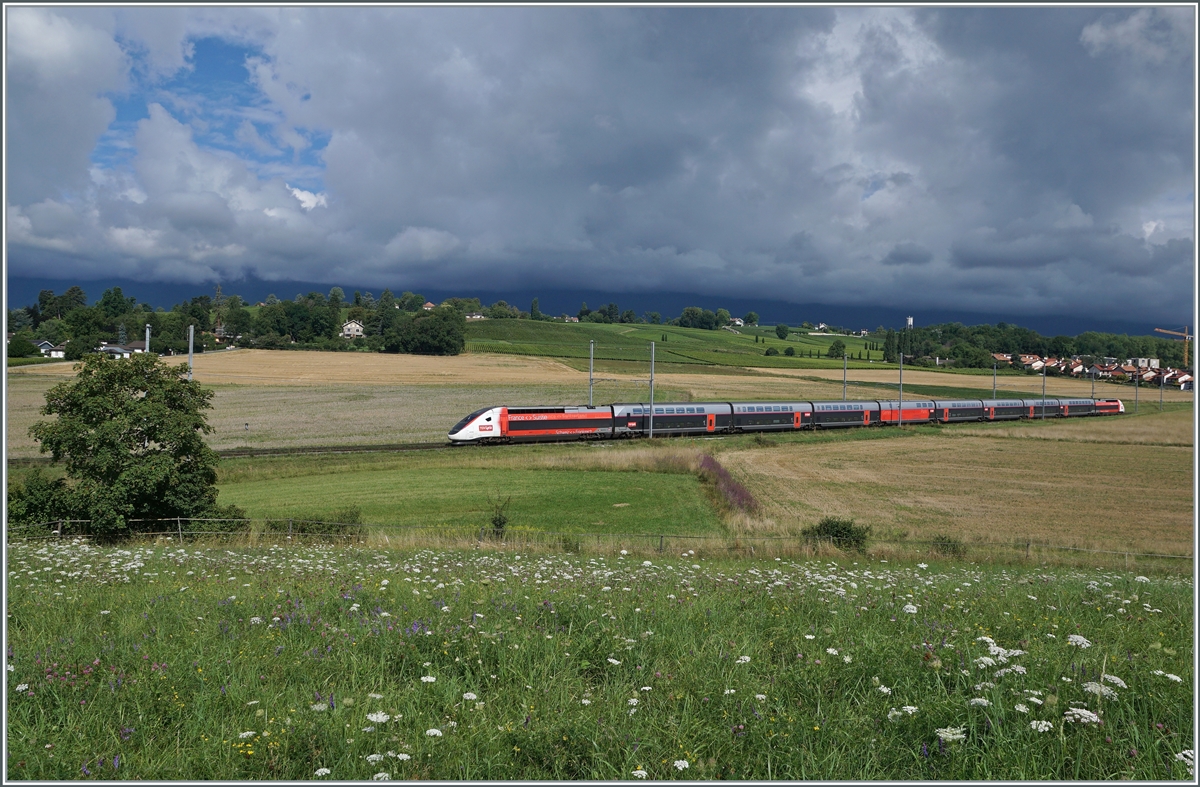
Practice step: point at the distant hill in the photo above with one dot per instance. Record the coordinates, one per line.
(23, 291)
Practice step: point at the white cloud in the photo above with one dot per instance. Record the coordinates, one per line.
(308, 200)
(1152, 35)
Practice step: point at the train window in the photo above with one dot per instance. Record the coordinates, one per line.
(671, 410)
(658, 410)
(691, 409)
(700, 409)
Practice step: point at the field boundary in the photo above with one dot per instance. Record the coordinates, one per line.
(301, 529)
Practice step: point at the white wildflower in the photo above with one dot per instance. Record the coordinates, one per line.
(379, 717)
(428, 679)
(743, 660)
(1081, 715)
(909, 709)
(614, 662)
(470, 695)
(22, 687)
(646, 688)
(1141, 579)
(1041, 726)
(1078, 641)
(375, 696)
(681, 765)
(760, 697)
(402, 756)
(831, 651)
(809, 636)
(1188, 758)
(321, 772)
(374, 758)
(434, 733)
(249, 734)
(894, 714)
(985, 661)
(633, 701)
(885, 690)
(318, 706)
(729, 691)
(1100, 689)
(585, 702)
(382, 776)
(639, 773)
(979, 701)
(1020, 708)
(951, 734)
(910, 609)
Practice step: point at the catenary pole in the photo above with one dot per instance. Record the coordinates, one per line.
(591, 356)
(993, 379)
(147, 338)
(900, 412)
(843, 377)
(651, 389)
(1043, 390)
(191, 337)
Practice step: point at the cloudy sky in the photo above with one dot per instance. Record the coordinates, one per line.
(1021, 160)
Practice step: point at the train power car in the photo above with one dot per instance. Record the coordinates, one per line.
(501, 424)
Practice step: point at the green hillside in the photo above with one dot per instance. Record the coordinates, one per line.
(631, 342)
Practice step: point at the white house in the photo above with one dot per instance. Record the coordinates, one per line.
(352, 330)
(737, 322)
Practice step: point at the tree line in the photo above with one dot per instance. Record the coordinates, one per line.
(396, 324)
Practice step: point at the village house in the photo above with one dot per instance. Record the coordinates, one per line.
(44, 346)
(352, 330)
(737, 322)
(476, 316)
(429, 306)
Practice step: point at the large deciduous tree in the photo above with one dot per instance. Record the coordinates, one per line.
(131, 435)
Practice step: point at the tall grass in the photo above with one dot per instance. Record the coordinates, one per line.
(279, 662)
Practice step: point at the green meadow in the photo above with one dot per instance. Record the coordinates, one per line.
(289, 662)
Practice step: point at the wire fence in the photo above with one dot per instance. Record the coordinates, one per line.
(289, 532)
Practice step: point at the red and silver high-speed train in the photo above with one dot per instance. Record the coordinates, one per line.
(554, 424)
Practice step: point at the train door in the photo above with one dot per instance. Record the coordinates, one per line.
(712, 422)
(504, 422)
(796, 420)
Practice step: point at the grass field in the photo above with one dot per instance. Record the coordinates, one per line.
(291, 663)
(682, 345)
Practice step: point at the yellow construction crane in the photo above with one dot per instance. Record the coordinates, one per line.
(1187, 337)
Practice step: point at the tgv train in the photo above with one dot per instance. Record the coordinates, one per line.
(549, 424)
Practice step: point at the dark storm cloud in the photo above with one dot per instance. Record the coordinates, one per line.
(1016, 159)
(907, 254)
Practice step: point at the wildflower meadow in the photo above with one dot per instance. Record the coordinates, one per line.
(333, 663)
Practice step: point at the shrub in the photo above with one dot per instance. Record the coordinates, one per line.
(949, 546)
(790, 351)
(842, 533)
(772, 351)
(499, 518)
(20, 347)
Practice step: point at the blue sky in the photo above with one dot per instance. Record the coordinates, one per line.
(999, 160)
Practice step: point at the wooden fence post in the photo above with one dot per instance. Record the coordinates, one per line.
(179, 527)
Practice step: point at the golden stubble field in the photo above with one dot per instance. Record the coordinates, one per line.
(1091, 484)
(273, 399)
(1055, 386)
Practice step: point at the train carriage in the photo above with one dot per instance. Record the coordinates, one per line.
(947, 411)
(910, 412)
(771, 416)
(534, 424)
(1004, 409)
(689, 417)
(856, 413)
(1043, 408)
(1075, 407)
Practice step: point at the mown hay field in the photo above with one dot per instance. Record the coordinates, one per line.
(1012, 384)
(1109, 496)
